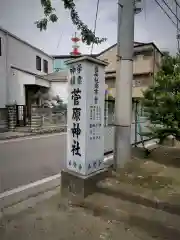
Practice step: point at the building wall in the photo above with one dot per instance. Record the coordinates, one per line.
(110, 57)
(42, 82)
(24, 56)
(157, 62)
(142, 64)
(60, 89)
(17, 83)
(17, 86)
(59, 64)
(147, 60)
(143, 59)
(3, 87)
(21, 55)
(110, 82)
(142, 80)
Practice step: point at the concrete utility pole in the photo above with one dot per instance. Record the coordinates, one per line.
(177, 27)
(124, 77)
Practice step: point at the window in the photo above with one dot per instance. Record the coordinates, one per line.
(38, 63)
(0, 47)
(45, 66)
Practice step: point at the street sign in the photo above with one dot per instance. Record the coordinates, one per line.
(85, 133)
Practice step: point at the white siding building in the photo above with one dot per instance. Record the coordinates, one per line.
(59, 84)
(23, 69)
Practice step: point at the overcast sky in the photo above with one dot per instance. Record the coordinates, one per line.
(18, 17)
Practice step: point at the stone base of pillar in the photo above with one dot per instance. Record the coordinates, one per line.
(75, 188)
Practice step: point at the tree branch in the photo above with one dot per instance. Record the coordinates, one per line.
(88, 36)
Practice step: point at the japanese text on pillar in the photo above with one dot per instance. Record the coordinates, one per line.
(95, 109)
(76, 81)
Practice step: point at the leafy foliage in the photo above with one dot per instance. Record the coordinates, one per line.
(162, 100)
(60, 106)
(88, 36)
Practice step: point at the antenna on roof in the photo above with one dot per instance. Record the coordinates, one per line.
(75, 46)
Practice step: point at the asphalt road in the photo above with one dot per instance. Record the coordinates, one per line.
(24, 161)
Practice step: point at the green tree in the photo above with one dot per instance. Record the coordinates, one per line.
(162, 100)
(88, 36)
(60, 105)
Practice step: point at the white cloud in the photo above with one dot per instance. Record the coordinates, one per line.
(19, 17)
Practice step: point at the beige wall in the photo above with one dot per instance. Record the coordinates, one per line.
(137, 92)
(110, 57)
(147, 60)
(142, 80)
(138, 81)
(142, 64)
(110, 82)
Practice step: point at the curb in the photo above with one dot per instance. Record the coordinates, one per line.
(29, 202)
(38, 133)
(130, 195)
(18, 196)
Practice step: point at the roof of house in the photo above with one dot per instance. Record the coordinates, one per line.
(30, 73)
(61, 76)
(136, 44)
(71, 56)
(87, 58)
(51, 77)
(19, 39)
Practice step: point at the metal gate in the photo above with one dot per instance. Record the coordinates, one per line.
(20, 115)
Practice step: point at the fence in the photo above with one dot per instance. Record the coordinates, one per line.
(53, 119)
(3, 119)
(109, 111)
(21, 111)
(109, 126)
(47, 118)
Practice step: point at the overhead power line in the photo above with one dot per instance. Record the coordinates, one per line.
(167, 5)
(95, 22)
(177, 3)
(166, 13)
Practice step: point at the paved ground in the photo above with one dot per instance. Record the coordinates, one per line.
(27, 160)
(113, 212)
(51, 220)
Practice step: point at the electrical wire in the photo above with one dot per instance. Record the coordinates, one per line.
(177, 3)
(166, 13)
(177, 19)
(60, 38)
(95, 23)
(167, 5)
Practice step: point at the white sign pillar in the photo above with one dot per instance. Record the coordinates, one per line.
(85, 131)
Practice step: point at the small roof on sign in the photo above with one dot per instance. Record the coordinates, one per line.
(87, 58)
